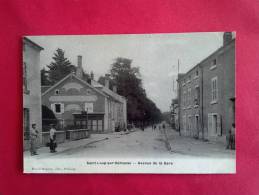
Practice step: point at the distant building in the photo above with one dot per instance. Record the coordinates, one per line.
(207, 94)
(31, 89)
(88, 104)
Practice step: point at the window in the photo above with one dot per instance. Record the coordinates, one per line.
(89, 108)
(183, 82)
(184, 99)
(197, 122)
(189, 97)
(214, 89)
(88, 91)
(57, 108)
(25, 82)
(213, 64)
(197, 73)
(197, 96)
(56, 91)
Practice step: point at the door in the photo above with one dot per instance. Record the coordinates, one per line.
(213, 124)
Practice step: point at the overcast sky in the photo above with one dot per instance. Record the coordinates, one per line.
(155, 54)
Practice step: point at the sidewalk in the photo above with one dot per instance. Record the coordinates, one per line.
(44, 152)
(196, 147)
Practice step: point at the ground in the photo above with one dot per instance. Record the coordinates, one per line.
(136, 144)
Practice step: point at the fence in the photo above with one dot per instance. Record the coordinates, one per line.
(63, 125)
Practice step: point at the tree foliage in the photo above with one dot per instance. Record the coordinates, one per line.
(60, 67)
(129, 85)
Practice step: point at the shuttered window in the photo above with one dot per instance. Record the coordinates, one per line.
(57, 108)
(214, 89)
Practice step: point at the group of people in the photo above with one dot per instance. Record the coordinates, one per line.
(34, 133)
(154, 126)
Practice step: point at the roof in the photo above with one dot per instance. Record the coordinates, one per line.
(73, 75)
(44, 88)
(113, 95)
(27, 40)
(107, 91)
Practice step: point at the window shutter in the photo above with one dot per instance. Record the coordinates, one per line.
(62, 109)
(52, 106)
(219, 132)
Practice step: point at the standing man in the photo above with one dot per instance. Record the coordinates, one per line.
(52, 137)
(33, 139)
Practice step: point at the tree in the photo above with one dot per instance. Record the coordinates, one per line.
(60, 67)
(129, 84)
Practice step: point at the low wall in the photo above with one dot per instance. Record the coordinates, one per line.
(77, 134)
(60, 137)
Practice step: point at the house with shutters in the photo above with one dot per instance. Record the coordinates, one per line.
(87, 104)
(207, 94)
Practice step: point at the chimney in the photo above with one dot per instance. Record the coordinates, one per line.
(114, 88)
(227, 37)
(92, 75)
(107, 81)
(79, 68)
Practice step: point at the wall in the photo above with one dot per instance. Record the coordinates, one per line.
(32, 100)
(188, 109)
(71, 88)
(225, 73)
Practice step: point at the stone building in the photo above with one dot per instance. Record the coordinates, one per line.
(190, 102)
(88, 104)
(207, 94)
(31, 89)
(219, 90)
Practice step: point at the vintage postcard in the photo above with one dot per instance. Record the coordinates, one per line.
(135, 103)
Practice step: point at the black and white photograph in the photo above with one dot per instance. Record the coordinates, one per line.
(129, 103)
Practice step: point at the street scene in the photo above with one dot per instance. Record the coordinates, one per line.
(148, 96)
(138, 143)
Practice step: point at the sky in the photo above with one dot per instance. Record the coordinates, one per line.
(155, 54)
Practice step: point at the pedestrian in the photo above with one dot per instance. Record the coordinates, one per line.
(163, 126)
(154, 127)
(231, 137)
(52, 137)
(33, 139)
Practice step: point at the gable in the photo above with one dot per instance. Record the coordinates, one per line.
(73, 85)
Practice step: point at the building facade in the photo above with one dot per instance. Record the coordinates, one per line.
(207, 94)
(219, 90)
(31, 89)
(86, 104)
(190, 102)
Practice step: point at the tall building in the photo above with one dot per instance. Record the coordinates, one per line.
(31, 89)
(207, 94)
